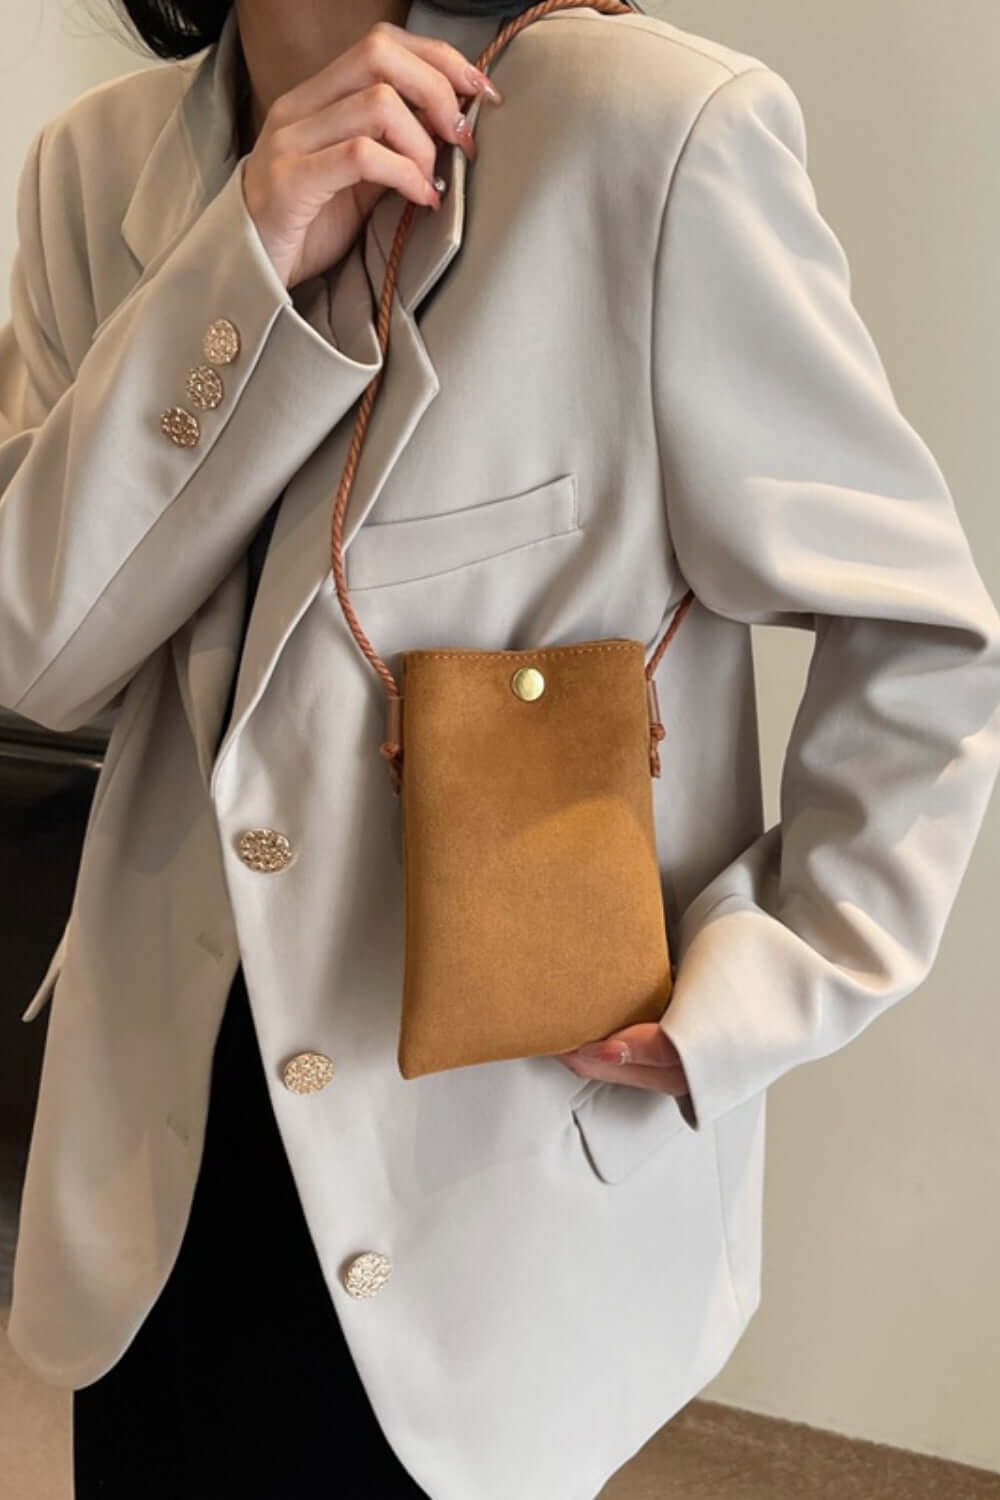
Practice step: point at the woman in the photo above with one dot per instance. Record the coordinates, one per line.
(623, 362)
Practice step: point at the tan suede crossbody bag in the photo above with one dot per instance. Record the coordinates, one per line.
(534, 917)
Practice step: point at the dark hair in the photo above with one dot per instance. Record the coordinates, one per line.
(177, 28)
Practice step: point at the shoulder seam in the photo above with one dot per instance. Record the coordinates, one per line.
(661, 229)
(695, 121)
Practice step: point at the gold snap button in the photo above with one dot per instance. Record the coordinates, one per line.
(307, 1072)
(180, 426)
(221, 343)
(204, 387)
(367, 1273)
(264, 849)
(528, 683)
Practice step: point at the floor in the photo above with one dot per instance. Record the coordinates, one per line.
(707, 1452)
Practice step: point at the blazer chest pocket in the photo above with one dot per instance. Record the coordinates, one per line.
(383, 553)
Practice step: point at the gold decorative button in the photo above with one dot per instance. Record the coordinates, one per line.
(264, 849)
(221, 343)
(307, 1072)
(180, 426)
(367, 1273)
(204, 387)
(528, 683)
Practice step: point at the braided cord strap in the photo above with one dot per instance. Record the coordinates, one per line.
(391, 747)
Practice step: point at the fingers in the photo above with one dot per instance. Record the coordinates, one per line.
(645, 1043)
(466, 78)
(641, 1055)
(426, 72)
(662, 1080)
(361, 159)
(377, 112)
(371, 119)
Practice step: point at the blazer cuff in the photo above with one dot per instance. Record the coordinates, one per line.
(711, 1019)
(232, 276)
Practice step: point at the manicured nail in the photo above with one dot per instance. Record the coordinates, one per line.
(609, 1052)
(466, 139)
(483, 84)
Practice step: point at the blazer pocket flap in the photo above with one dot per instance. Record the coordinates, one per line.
(623, 1126)
(44, 991)
(387, 552)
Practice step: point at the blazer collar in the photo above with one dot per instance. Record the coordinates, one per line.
(196, 151)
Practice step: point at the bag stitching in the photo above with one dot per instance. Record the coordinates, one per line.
(472, 657)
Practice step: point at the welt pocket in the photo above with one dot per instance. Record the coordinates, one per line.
(391, 552)
(622, 1127)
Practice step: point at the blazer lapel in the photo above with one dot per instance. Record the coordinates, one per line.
(192, 158)
(409, 381)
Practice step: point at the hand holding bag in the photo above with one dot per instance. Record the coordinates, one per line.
(534, 917)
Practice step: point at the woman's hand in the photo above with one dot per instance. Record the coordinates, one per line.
(330, 147)
(642, 1055)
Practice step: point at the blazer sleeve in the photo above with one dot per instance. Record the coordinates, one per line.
(111, 535)
(798, 493)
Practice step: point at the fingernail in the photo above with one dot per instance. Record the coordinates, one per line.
(438, 184)
(466, 139)
(481, 83)
(609, 1052)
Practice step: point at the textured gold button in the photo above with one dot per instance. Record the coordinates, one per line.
(367, 1273)
(307, 1072)
(221, 343)
(528, 683)
(204, 387)
(180, 426)
(264, 849)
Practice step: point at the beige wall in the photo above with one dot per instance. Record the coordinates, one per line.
(881, 1312)
(881, 1316)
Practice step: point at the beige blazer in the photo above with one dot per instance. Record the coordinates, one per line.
(624, 362)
